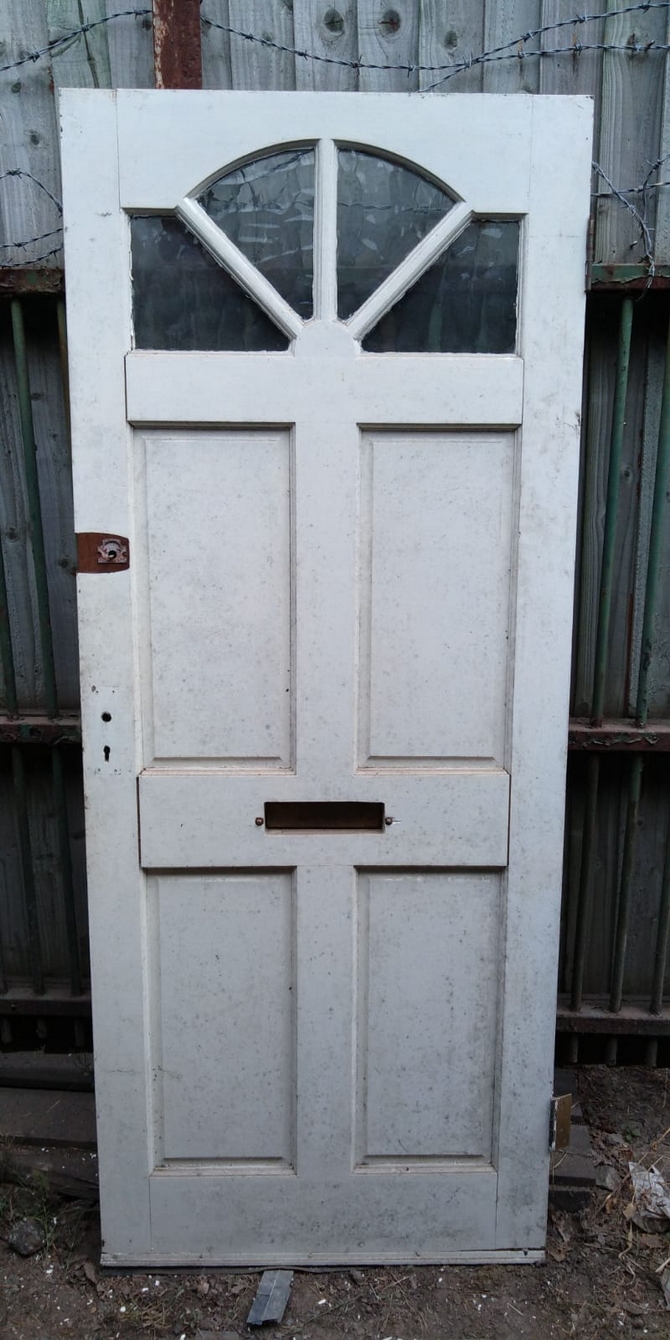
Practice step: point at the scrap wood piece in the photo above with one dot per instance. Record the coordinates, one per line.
(62, 1174)
(272, 1295)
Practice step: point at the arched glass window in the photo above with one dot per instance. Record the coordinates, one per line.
(234, 267)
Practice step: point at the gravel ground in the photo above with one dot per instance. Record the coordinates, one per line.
(604, 1275)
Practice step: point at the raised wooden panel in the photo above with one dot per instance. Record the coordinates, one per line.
(218, 590)
(427, 992)
(436, 535)
(224, 1051)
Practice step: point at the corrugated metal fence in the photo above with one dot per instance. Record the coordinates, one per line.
(614, 981)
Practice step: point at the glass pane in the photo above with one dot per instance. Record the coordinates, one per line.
(267, 209)
(383, 210)
(465, 302)
(183, 299)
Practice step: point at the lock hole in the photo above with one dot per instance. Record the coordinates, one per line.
(106, 751)
(106, 716)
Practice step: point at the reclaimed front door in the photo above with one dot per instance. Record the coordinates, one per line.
(325, 366)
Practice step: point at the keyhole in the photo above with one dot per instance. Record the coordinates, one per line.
(106, 751)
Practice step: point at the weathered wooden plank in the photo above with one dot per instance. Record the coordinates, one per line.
(44, 841)
(330, 31)
(630, 124)
(662, 234)
(449, 36)
(601, 361)
(575, 71)
(15, 536)
(29, 139)
(84, 61)
(53, 459)
(647, 468)
(216, 71)
(388, 35)
(129, 44)
(254, 65)
(616, 695)
(505, 21)
(55, 481)
(114, 54)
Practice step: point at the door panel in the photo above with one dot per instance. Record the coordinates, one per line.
(436, 539)
(217, 569)
(214, 1020)
(426, 1041)
(350, 584)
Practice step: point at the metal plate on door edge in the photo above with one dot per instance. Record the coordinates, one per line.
(98, 551)
(559, 1121)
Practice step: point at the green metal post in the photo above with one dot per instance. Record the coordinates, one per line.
(612, 509)
(655, 545)
(642, 705)
(662, 936)
(60, 799)
(585, 903)
(64, 367)
(27, 869)
(34, 507)
(585, 896)
(626, 884)
(6, 652)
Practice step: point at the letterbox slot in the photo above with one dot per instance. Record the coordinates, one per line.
(324, 816)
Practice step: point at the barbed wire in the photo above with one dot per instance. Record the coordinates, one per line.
(514, 49)
(23, 172)
(27, 242)
(65, 39)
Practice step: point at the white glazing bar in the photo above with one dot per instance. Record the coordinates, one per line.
(325, 232)
(252, 281)
(409, 270)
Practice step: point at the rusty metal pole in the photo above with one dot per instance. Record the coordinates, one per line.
(177, 44)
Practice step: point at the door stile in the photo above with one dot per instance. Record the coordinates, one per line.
(553, 268)
(97, 267)
(326, 1014)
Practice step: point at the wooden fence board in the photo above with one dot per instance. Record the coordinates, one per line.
(388, 34)
(329, 30)
(15, 539)
(216, 71)
(504, 22)
(449, 36)
(130, 45)
(256, 66)
(630, 125)
(83, 62)
(28, 141)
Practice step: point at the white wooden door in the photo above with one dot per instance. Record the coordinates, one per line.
(343, 455)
